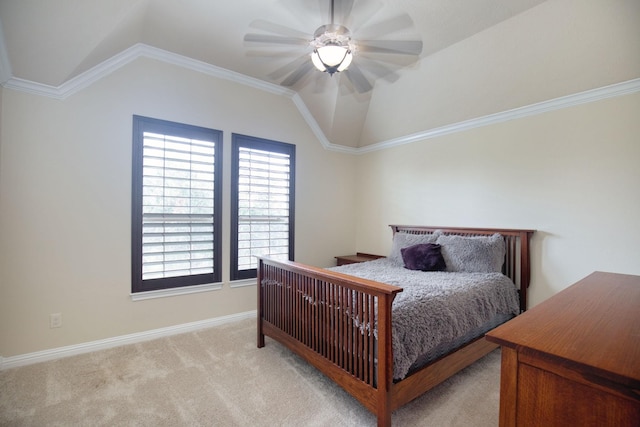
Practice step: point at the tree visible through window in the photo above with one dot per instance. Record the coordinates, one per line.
(176, 205)
(262, 211)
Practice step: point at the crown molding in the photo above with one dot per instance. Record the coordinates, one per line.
(141, 50)
(317, 131)
(611, 91)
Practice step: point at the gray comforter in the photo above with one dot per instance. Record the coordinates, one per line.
(436, 307)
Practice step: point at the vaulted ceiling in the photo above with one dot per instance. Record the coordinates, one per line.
(52, 42)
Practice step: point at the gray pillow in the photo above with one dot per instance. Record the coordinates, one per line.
(404, 240)
(477, 254)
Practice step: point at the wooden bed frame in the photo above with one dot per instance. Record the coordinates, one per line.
(311, 310)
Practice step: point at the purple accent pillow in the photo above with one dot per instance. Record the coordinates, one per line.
(424, 257)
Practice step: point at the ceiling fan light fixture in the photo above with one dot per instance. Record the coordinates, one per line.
(331, 58)
(332, 48)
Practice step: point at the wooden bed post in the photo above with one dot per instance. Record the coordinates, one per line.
(260, 314)
(525, 265)
(385, 360)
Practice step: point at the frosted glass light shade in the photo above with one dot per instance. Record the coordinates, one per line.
(331, 58)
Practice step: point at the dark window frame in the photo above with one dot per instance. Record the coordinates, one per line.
(146, 124)
(237, 141)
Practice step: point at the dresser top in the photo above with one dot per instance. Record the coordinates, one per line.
(594, 323)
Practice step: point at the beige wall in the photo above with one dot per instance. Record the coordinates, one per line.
(65, 190)
(573, 175)
(65, 170)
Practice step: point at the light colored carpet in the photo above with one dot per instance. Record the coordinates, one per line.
(217, 377)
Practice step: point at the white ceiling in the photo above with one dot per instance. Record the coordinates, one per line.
(51, 42)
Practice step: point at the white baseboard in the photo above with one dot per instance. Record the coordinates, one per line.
(72, 350)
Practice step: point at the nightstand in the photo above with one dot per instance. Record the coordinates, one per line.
(358, 257)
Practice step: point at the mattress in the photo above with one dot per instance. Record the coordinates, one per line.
(438, 311)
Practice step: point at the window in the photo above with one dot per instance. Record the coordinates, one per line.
(262, 203)
(176, 218)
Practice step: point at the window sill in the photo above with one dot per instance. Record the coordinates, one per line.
(141, 296)
(242, 283)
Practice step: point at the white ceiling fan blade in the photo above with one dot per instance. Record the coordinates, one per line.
(303, 12)
(289, 67)
(361, 13)
(402, 47)
(342, 10)
(298, 74)
(394, 62)
(277, 52)
(357, 78)
(320, 83)
(267, 38)
(379, 70)
(282, 30)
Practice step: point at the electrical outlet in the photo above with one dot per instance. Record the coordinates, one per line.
(55, 320)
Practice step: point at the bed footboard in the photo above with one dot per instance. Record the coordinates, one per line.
(338, 323)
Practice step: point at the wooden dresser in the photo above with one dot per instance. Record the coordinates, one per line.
(574, 360)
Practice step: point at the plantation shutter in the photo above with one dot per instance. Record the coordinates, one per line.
(178, 210)
(177, 206)
(264, 205)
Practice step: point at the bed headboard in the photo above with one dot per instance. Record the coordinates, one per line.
(517, 260)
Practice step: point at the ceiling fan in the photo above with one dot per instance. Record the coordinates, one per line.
(332, 48)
